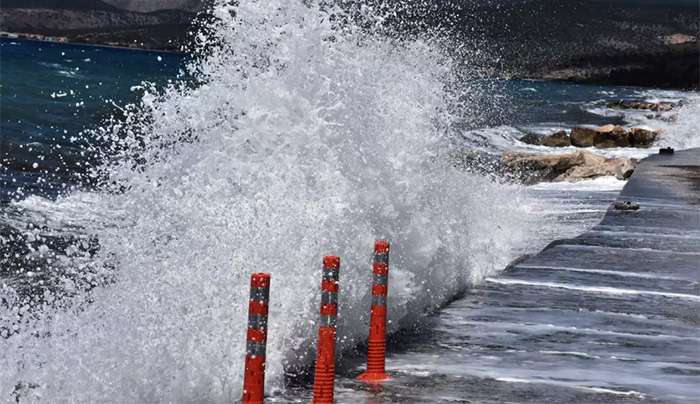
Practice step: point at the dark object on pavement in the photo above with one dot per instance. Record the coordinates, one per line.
(626, 205)
(666, 150)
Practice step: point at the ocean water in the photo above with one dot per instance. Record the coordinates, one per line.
(141, 189)
(51, 93)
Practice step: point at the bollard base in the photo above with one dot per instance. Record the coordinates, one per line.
(373, 377)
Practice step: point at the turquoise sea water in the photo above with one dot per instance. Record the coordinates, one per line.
(51, 93)
(54, 97)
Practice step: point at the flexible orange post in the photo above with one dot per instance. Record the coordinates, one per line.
(376, 345)
(324, 377)
(254, 376)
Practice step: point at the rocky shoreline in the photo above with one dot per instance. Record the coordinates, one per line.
(85, 42)
(651, 43)
(675, 66)
(579, 165)
(636, 43)
(602, 137)
(98, 24)
(576, 166)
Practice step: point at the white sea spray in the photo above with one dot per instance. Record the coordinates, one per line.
(303, 137)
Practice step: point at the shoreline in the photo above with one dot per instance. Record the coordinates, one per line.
(61, 40)
(583, 73)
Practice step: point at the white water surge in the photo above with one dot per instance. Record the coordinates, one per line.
(301, 139)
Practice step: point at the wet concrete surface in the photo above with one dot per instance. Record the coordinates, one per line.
(612, 315)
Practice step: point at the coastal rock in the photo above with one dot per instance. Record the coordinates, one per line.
(531, 138)
(583, 137)
(639, 137)
(621, 168)
(652, 106)
(575, 166)
(626, 205)
(602, 137)
(679, 39)
(557, 139)
(608, 136)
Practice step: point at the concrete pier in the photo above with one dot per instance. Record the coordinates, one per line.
(613, 314)
(610, 316)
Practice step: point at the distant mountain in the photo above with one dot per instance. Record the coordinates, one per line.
(141, 6)
(625, 42)
(59, 4)
(95, 21)
(629, 42)
(146, 6)
(692, 3)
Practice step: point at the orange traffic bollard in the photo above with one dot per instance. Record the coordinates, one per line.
(254, 376)
(376, 346)
(324, 376)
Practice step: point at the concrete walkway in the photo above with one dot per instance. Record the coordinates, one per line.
(613, 314)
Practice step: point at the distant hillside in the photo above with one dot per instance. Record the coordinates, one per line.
(59, 4)
(627, 42)
(146, 6)
(141, 6)
(95, 21)
(617, 42)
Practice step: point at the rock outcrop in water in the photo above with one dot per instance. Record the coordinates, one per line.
(640, 137)
(580, 165)
(608, 136)
(583, 137)
(626, 205)
(602, 137)
(651, 106)
(557, 139)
